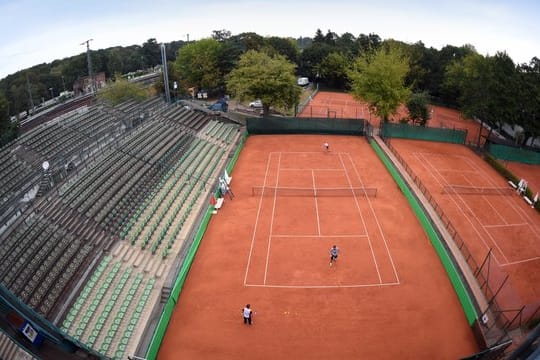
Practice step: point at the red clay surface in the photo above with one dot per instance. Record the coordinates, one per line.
(343, 105)
(505, 224)
(388, 297)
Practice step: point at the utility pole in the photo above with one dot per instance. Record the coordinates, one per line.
(29, 89)
(89, 61)
(165, 73)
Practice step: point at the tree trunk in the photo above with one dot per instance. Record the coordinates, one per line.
(480, 132)
(266, 110)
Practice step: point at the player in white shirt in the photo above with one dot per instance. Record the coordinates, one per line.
(247, 312)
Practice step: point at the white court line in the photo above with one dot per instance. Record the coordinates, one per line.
(521, 261)
(377, 222)
(317, 169)
(506, 225)
(316, 204)
(306, 152)
(256, 221)
(510, 201)
(460, 171)
(424, 161)
(315, 235)
(323, 286)
(486, 199)
(363, 221)
(272, 221)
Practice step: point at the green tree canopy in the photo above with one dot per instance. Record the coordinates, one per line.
(378, 78)
(8, 129)
(123, 90)
(487, 88)
(269, 78)
(334, 69)
(528, 96)
(197, 64)
(418, 107)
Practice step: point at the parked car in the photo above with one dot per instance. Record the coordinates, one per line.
(256, 104)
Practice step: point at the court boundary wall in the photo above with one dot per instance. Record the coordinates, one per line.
(163, 323)
(513, 153)
(296, 125)
(406, 131)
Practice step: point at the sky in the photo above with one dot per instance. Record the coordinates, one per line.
(39, 31)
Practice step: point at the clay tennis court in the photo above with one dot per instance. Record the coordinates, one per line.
(387, 297)
(343, 105)
(503, 223)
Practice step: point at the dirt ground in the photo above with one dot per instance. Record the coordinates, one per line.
(504, 224)
(387, 297)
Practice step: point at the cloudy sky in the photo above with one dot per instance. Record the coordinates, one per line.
(38, 31)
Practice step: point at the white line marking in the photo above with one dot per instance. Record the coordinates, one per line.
(493, 183)
(426, 163)
(362, 217)
(272, 221)
(521, 261)
(317, 169)
(514, 205)
(323, 286)
(376, 221)
(484, 197)
(257, 221)
(506, 225)
(315, 235)
(316, 204)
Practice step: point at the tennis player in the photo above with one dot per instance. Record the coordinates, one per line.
(326, 146)
(246, 312)
(334, 252)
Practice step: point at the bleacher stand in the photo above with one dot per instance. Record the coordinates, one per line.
(124, 187)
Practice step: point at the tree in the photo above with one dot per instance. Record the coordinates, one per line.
(269, 78)
(487, 87)
(8, 129)
(151, 52)
(378, 79)
(334, 69)
(122, 90)
(197, 64)
(369, 42)
(528, 95)
(283, 46)
(418, 107)
(311, 59)
(319, 37)
(221, 35)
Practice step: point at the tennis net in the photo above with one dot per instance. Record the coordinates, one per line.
(473, 190)
(313, 192)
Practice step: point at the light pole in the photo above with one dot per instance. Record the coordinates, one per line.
(63, 83)
(165, 73)
(52, 94)
(89, 62)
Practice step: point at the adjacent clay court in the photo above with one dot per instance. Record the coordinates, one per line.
(342, 105)
(387, 297)
(506, 224)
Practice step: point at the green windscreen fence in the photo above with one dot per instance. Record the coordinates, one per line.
(510, 153)
(293, 125)
(393, 130)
